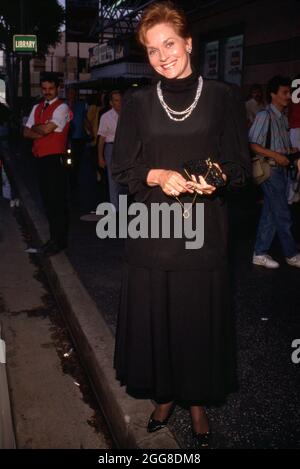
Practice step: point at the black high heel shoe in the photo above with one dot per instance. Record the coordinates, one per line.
(202, 439)
(154, 425)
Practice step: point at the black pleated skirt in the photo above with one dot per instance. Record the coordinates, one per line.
(175, 335)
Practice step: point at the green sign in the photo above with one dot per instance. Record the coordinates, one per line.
(25, 43)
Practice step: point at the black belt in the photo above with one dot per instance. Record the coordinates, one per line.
(109, 143)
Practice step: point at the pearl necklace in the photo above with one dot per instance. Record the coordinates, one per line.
(187, 112)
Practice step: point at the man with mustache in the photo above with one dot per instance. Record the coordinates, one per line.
(48, 126)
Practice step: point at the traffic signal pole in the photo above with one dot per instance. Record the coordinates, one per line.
(26, 95)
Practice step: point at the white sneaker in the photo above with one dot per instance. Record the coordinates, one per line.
(294, 261)
(266, 261)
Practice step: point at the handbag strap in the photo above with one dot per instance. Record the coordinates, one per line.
(268, 139)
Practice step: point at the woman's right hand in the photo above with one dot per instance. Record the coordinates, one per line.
(173, 183)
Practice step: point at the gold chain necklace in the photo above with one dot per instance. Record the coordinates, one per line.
(186, 211)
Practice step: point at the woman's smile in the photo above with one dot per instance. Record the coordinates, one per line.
(168, 52)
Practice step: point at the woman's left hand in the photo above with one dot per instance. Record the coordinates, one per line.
(200, 185)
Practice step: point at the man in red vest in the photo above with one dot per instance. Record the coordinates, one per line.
(48, 126)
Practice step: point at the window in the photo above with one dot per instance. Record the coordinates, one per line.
(211, 60)
(222, 59)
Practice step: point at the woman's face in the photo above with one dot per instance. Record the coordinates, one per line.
(167, 52)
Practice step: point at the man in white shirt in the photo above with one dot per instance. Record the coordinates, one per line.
(107, 129)
(255, 104)
(48, 126)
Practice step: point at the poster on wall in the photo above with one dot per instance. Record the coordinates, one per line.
(211, 60)
(234, 59)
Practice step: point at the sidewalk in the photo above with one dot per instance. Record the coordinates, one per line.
(87, 280)
(7, 434)
(47, 402)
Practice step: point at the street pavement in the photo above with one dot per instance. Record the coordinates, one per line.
(265, 412)
(52, 404)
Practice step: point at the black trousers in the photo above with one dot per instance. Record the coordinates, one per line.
(78, 152)
(53, 188)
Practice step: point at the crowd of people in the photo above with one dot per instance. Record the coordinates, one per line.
(68, 135)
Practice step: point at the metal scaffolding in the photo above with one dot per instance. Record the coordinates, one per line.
(118, 18)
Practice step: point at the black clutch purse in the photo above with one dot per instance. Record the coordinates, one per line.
(205, 168)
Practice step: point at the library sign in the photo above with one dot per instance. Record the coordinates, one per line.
(25, 43)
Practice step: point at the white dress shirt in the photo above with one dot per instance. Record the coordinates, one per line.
(108, 125)
(253, 108)
(60, 116)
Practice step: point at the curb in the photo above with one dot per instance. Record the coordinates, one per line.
(7, 433)
(126, 417)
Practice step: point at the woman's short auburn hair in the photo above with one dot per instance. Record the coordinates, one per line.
(163, 12)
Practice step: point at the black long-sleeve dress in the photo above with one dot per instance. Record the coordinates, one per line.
(175, 331)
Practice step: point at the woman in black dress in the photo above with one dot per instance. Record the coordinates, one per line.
(175, 337)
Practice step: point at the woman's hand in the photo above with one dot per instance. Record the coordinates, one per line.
(200, 185)
(171, 182)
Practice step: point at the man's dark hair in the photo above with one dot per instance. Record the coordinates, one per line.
(114, 92)
(52, 77)
(274, 85)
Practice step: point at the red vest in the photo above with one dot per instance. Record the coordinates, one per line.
(55, 142)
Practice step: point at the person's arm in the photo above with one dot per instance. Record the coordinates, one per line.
(258, 136)
(29, 133)
(234, 149)
(44, 129)
(58, 121)
(267, 153)
(101, 159)
(27, 130)
(129, 166)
